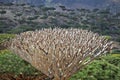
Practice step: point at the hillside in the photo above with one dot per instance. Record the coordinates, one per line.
(19, 18)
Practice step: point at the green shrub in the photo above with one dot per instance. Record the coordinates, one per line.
(2, 12)
(48, 8)
(18, 14)
(113, 59)
(4, 51)
(3, 27)
(115, 51)
(4, 37)
(108, 37)
(108, 68)
(44, 17)
(21, 28)
(33, 18)
(11, 63)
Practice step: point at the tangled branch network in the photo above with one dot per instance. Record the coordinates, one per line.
(59, 53)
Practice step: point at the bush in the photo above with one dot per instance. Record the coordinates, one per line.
(107, 68)
(116, 51)
(2, 12)
(11, 63)
(113, 59)
(4, 51)
(18, 14)
(3, 27)
(33, 18)
(44, 17)
(108, 37)
(21, 28)
(48, 8)
(4, 38)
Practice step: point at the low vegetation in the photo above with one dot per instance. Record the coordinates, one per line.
(4, 38)
(104, 68)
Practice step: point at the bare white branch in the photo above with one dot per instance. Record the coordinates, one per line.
(59, 53)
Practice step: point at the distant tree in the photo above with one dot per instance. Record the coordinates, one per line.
(48, 8)
(19, 15)
(63, 7)
(95, 10)
(2, 12)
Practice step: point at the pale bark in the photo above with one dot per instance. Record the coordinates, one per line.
(59, 53)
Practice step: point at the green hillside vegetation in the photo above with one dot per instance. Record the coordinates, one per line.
(11, 63)
(20, 18)
(4, 38)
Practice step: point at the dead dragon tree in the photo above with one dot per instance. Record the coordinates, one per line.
(59, 53)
